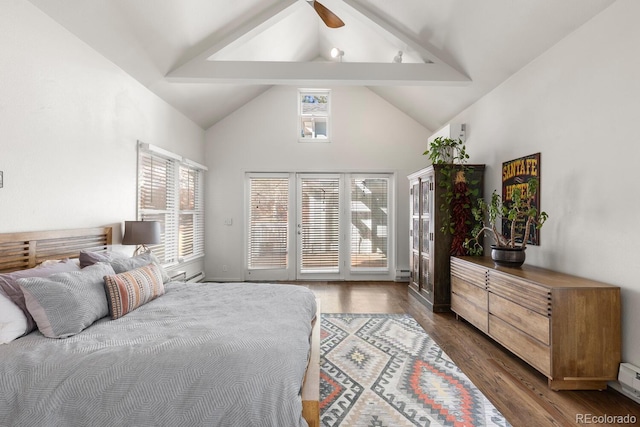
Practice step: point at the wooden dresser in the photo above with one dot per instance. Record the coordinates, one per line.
(566, 327)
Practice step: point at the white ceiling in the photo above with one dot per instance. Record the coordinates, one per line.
(209, 57)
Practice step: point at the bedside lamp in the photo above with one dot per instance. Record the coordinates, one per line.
(141, 233)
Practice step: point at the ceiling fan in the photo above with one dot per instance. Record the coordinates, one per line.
(329, 18)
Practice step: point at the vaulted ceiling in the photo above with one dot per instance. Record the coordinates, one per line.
(207, 58)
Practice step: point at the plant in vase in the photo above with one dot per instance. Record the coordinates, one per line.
(507, 251)
(451, 155)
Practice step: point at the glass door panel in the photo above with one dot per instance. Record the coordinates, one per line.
(369, 223)
(268, 228)
(318, 225)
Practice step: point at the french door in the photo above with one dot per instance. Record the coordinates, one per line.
(319, 226)
(268, 227)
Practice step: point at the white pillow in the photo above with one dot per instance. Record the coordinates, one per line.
(13, 322)
(49, 262)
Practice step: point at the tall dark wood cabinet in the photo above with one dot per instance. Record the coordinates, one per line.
(429, 261)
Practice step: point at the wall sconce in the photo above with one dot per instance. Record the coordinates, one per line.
(337, 53)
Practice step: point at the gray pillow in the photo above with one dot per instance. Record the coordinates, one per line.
(127, 264)
(65, 304)
(88, 258)
(11, 289)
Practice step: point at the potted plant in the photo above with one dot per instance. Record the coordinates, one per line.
(447, 151)
(507, 251)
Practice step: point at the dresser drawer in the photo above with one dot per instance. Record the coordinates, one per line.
(475, 315)
(534, 297)
(528, 349)
(526, 320)
(469, 272)
(469, 291)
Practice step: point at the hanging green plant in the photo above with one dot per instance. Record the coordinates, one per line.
(460, 215)
(452, 155)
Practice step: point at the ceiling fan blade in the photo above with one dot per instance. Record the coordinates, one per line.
(328, 17)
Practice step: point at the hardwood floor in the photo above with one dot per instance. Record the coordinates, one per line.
(516, 389)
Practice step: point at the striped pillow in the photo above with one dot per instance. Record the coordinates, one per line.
(129, 290)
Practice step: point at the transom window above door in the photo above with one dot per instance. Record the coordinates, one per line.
(314, 114)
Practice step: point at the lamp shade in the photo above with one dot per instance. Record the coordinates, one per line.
(141, 233)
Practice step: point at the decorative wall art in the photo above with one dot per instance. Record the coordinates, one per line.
(516, 174)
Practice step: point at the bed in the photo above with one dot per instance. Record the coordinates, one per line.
(214, 354)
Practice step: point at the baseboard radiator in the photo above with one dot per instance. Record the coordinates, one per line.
(402, 275)
(198, 277)
(628, 381)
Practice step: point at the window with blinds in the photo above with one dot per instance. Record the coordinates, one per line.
(156, 199)
(268, 222)
(320, 224)
(191, 218)
(369, 223)
(170, 192)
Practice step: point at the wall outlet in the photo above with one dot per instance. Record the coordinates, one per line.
(224, 267)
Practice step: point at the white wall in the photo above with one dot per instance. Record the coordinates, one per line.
(69, 121)
(578, 105)
(368, 135)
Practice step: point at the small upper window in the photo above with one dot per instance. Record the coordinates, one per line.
(314, 111)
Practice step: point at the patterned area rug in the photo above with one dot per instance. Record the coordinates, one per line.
(384, 370)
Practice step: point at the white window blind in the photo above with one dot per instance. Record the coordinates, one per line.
(170, 192)
(314, 225)
(369, 222)
(191, 218)
(268, 222)
(156, 199)
(320, 224)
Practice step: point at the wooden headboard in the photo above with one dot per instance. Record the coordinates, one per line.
(19, 251)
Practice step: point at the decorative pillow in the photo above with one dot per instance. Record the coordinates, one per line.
(126, 264)
(88, 258)
(50, 262)
(10, 289)
(128, 291)
(65, 304)
(13, 322)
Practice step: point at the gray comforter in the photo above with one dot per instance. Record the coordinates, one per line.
(201, 355)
